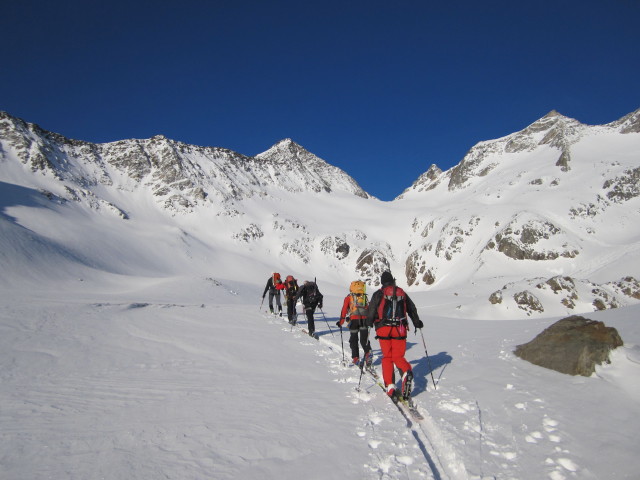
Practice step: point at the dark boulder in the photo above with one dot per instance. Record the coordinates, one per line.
(573, 345)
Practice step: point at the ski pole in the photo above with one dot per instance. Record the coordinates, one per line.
(261, 303)
(361, 372)
(325, 319)
(342, 343)
(428, 360)
(364, 360)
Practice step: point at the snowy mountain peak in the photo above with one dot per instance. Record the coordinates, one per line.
(287, 149)
(317, 174)
(628, 124)
(179, 176)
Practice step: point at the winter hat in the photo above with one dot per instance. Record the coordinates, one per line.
(386, 278)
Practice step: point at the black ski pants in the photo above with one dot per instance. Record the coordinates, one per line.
(277, 295)
(359, 335)
(291, 309)
(310, 310)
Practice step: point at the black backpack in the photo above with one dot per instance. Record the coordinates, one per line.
(312, 294)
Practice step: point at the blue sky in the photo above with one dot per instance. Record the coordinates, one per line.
(379, 89)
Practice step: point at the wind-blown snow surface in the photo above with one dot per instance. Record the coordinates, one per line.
(183, 377)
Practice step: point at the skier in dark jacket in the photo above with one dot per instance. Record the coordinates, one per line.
(290, 290)
(311, 298)
(388, 312)
(274, 285)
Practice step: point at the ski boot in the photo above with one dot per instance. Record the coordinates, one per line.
(391, 391)
(356, 360)
(368, 359)
(407, 384)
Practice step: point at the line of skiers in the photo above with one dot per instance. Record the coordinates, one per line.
(309, 294)
(387, 312)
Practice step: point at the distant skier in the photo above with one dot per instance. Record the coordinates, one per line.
(274, 285)
(311, 298)
(290, 290)
(388, 312)
(354, 312)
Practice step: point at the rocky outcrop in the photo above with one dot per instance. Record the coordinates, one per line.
(568, 292)
(371, 263)
(573, 345)
(473, 165)
(628, 124)
(629, 286)
(524, 239)
(425, 182)
(249, 234)
(528, 302)
(335, 247)
(416, 270)
(624, 187)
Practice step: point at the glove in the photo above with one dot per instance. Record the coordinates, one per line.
(320, 305)
(339, 323)
(418, 323)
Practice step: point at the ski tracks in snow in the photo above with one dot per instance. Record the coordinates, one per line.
(415, 450)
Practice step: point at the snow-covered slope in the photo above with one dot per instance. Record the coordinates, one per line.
(555, 203)
(556, 199)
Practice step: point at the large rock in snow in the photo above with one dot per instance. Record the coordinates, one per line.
(573, 345)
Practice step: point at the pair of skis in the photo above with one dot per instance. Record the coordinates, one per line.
(404, 404)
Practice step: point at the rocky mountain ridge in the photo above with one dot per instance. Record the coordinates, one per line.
(515, 215)
(178, 175)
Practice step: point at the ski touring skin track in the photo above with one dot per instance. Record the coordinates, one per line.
(438, 454)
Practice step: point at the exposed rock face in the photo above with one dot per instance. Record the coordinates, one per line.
(571, 293)
(473, 165)
(528, 302)
(179, 175)
(624, 187)
(427, 181)
(563, 161)
(629, 286)
(251, 233)
(524, 239)
(563, 285)
(496, 297)
(335, 246)
(629, 123)
(573, 345)
(371, 263)
(288, 158)
(416, 270)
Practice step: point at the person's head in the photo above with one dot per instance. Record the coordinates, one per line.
(386, 278)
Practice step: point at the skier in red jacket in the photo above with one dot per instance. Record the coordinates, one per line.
(388, 312)
(274, 285)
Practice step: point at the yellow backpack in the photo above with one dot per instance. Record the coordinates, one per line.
(359, 302)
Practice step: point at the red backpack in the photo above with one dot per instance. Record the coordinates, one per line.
(392, 305)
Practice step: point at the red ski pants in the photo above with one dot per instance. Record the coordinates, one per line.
(393, 350)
